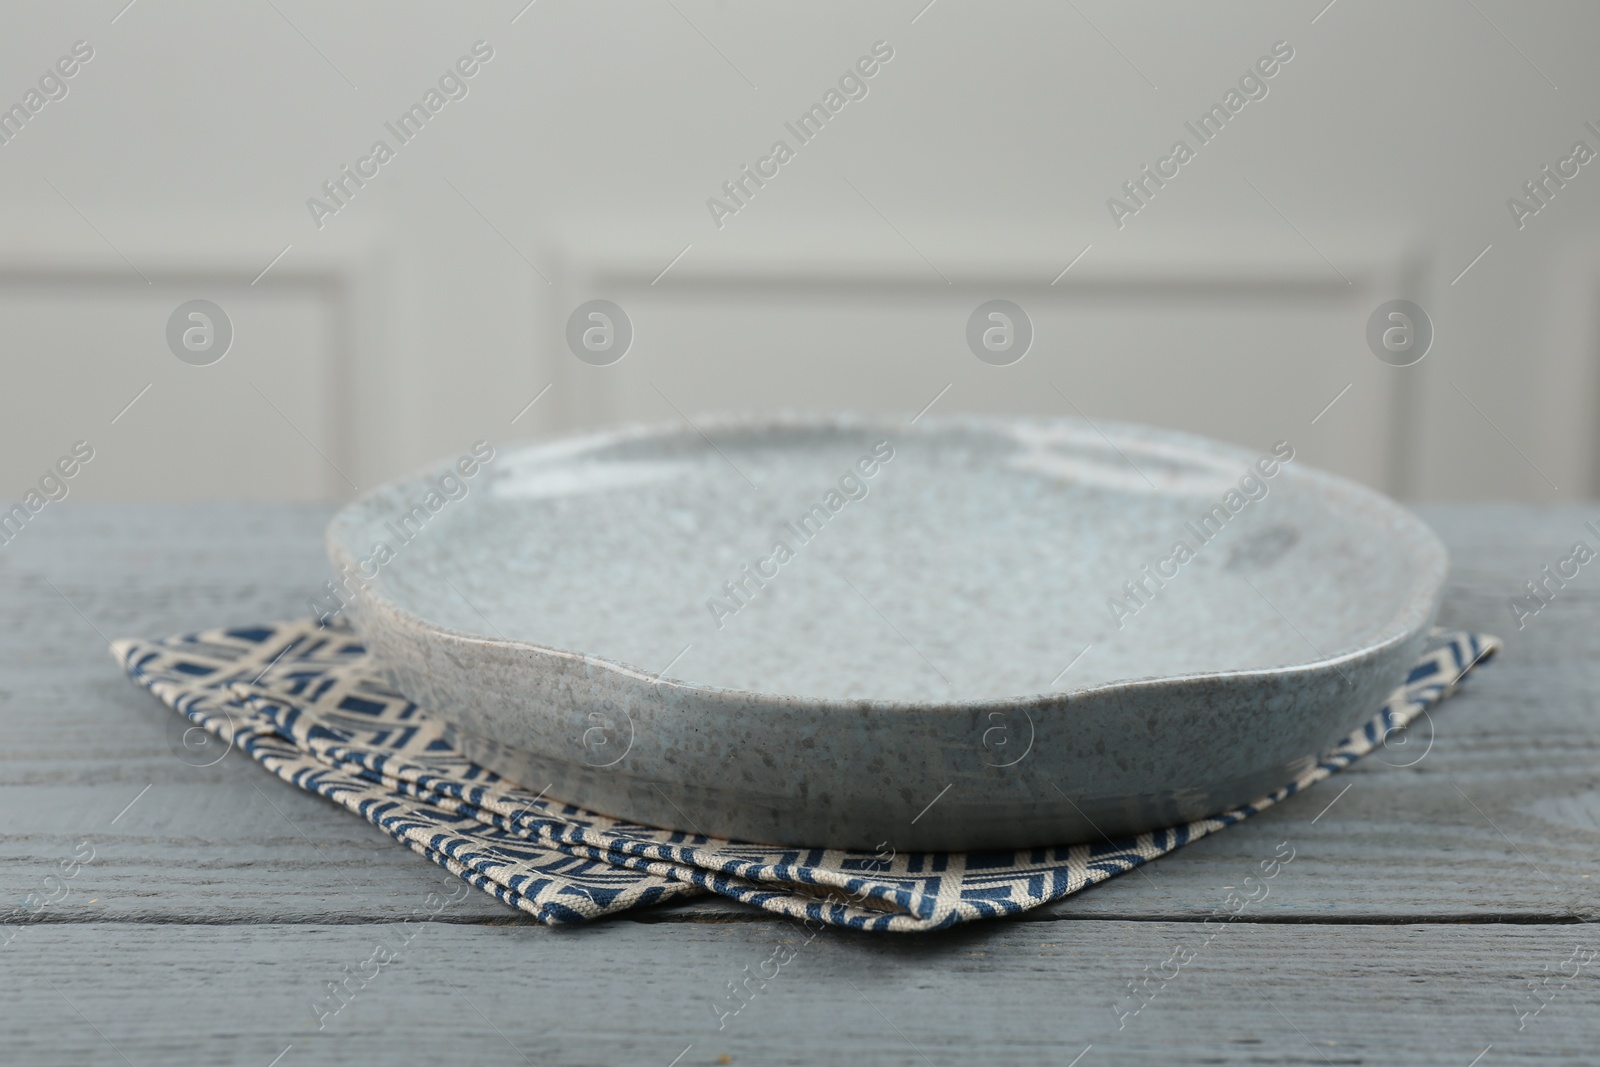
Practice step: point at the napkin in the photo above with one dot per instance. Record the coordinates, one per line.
(304, 701)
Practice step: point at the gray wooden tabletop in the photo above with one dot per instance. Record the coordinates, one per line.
(1437, 909)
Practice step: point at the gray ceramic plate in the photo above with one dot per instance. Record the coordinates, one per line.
(967, 633)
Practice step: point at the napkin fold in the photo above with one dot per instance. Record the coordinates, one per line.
(304, 701)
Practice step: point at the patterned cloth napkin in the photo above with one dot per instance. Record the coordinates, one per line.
(303, 701)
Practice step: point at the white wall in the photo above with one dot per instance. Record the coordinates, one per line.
(430, 309)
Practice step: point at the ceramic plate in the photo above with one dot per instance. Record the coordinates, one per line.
(967, 633)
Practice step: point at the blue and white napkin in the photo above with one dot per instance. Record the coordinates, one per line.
(303, 701)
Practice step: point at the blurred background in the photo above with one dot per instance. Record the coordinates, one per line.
(205, 152)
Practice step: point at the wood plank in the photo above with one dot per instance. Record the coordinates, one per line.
(205, 845)
(624, 992)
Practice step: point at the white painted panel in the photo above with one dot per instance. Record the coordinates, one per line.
(80, 347)
(1245, 354)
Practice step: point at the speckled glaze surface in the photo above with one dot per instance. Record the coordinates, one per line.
(967, 633)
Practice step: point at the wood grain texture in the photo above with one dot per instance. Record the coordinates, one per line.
(622, 992)
(1453, 866)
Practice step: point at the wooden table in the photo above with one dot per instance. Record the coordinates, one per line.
(1423, 901)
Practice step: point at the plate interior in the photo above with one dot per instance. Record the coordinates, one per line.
(954, 560)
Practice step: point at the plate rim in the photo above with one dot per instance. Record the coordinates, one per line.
(1414, 615)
